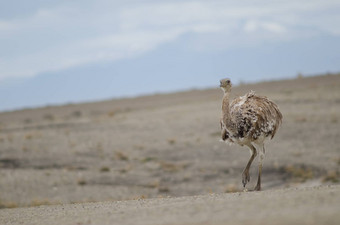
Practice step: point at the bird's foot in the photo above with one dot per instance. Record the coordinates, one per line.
(257, 187)
(245, 177)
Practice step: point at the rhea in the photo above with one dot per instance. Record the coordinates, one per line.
(249, 121)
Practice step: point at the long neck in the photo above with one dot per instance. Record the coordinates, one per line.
(225, 106)
(226, 117)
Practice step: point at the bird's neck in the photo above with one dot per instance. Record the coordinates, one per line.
(225, 106)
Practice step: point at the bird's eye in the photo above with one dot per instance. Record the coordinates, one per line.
(228, 81)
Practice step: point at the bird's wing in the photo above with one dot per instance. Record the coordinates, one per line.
(263, 114)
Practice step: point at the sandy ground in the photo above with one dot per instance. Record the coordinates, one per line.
(164, 145)
(318, 205)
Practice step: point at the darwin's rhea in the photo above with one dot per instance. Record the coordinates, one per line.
(249, 120)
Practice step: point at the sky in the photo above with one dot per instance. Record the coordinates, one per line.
(60, 51)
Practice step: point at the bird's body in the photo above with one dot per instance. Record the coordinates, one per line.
(251, 118)
(248, 120)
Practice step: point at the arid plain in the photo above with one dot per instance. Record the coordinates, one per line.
(165, 145)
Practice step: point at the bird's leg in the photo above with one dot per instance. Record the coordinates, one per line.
(261, 157)
(245, 174)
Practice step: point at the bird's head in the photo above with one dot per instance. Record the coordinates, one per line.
(225, 84)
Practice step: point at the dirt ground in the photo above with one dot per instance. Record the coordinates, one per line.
(302, 206)
(165, 145)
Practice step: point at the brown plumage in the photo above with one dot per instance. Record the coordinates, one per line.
(249, 120)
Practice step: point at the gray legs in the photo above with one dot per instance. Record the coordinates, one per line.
(245, 174)
(258, 185)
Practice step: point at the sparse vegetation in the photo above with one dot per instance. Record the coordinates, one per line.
(334, 118)
(111, 114)
(162, 149)
(28, 136)
(77, 113)
(104, 169)
(172, 167)
(231, 188)
(163, 189)
(121, 156)
(154, 184)
(299, 174)
(140, 197)
(28, 120)
(148, 159)
(171, 141)
(81, 182)
(39, 202)
(49, 116)
(331, 176)
(4, 204)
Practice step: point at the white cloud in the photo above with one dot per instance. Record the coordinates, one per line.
(105, 48)
(78, 32)
(255, 26)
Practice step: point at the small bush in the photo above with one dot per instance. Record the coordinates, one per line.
(76, 114)
(81, 182)
(121, 156)
(104, 169)
(331, 176)
(49, 117)
(232, 188)
(171, 141)
(300, 174)
(4, 205)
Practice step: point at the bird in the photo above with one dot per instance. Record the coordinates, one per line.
(249, 120)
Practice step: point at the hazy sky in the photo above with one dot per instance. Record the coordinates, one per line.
(55, 52)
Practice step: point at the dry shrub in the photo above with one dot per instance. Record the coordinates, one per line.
(300, 174)
(334, 119)
(172, 167)
(163, 189)
(39, 202)
(28, 136)
(141, 197)
(121, 156)
(111, 114)
(81, 182)
(171, 141)
(104, 169)
(125, 169)
(154, 184)
(331, 176)
(77, 114)
(148, 159)
(28, 120)
(4, 205)
(231, 188)
(49, 117)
